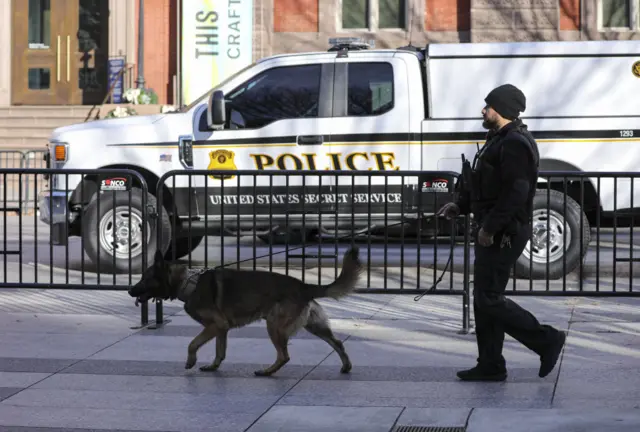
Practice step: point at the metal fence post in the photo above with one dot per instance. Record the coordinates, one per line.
(466, 296)
(25, 161)
(159, 313)
(157, 218)
(29, 159)
(144, 313)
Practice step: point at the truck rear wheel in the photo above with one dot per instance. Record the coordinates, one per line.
(109, 228)
(560, 245)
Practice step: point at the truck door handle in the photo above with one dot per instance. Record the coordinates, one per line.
(310, 139)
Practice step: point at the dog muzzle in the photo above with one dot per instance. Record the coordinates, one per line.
(143, 298)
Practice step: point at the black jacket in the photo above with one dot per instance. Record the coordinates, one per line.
(505, 172)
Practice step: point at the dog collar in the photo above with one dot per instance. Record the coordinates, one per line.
(190, 282)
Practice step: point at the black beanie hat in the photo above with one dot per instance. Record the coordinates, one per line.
(507, 100)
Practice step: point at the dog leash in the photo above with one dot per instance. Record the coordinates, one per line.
(417, 298)
(433, 287)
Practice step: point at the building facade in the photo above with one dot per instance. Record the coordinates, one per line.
(307, 24)
(57, 52)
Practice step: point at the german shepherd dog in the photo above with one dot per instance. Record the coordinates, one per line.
(221, 299)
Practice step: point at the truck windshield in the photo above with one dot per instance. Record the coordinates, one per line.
(186, 108)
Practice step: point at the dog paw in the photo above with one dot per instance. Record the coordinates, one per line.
(262, 373)
(346, 368)
(210, 368)
(191, 362)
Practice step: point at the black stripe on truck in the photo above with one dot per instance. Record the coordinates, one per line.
(373, 137)
(403, 137)
(546, 135)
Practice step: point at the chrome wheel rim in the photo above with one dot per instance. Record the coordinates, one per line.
(115, 230)
(547, 246)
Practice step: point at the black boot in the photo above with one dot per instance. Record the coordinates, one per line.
(549, 358)
(479, 373)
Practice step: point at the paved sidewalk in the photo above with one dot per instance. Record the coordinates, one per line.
(70, 361)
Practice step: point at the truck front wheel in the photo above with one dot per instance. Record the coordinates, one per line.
(555, 238)
(116, 229)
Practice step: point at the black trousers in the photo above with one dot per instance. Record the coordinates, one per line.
(495, 314)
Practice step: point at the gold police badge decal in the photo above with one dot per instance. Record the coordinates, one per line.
(635, 69)
(221, 160)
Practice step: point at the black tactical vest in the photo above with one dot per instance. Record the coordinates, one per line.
(486, 168)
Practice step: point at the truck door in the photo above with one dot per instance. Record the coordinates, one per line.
(370, 132)
(279, 119)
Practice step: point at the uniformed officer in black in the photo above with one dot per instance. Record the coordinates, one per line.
(505, 172)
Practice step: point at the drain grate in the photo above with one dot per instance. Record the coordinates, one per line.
(429, 429)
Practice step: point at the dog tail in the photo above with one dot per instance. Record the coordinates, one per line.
(346, 281)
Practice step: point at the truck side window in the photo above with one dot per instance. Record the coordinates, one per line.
(370, 90)
(280, 93)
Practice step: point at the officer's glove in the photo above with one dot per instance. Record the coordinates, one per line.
(484, 238)
(449, 210)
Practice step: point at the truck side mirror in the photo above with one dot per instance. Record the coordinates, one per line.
(216, 113)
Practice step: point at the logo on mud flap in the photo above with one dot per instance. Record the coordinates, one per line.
(635, 69)
(221, 160)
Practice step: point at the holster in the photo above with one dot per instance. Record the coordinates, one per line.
(468, 185)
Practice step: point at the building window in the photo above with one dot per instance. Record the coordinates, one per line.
(618, 15)
(371, 15)
(355, 14)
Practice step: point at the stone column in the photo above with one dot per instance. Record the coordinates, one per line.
(122, 32)
(262, 28)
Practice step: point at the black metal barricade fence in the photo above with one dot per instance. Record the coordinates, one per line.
(583, 238)
(9, 185)
(71, 246)
(305, 221)
(582, 242)
(573, 212)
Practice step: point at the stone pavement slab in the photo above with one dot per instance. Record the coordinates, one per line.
(436, 417)
(322, 418)
(554, 420)
(71, 361)
(47, 429)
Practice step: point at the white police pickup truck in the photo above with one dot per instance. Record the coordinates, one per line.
(357, 108)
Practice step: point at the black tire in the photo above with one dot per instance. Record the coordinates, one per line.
(183, 248)
(560, 263)
(92, 222)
